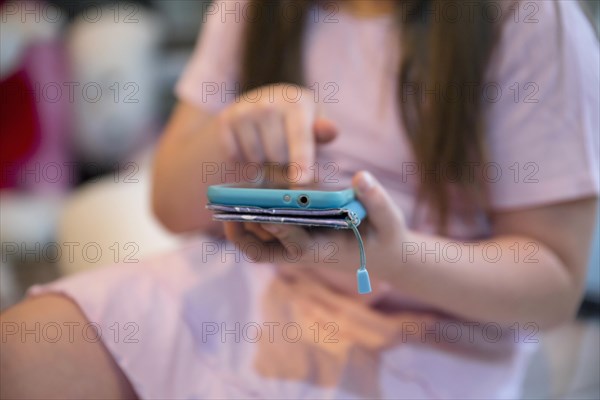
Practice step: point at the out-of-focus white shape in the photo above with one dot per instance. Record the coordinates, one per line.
(27, 218)
(113, 214)
(27, 226)
(22, 23)
(115, 60)
(9, 292)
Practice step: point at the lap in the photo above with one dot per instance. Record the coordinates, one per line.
(216, 327)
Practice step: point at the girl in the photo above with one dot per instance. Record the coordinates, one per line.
(478, 126)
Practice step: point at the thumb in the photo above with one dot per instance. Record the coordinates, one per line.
(325, 130)
(383, 214)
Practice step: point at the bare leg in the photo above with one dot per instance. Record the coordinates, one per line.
(39, 369)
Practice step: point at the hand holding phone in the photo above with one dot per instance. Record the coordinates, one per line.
(263, 204)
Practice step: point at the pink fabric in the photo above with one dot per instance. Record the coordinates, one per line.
(187, 321)
(176, 298)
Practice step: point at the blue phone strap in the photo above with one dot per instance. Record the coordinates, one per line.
(362, 275)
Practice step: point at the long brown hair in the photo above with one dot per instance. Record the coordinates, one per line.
(436, 52)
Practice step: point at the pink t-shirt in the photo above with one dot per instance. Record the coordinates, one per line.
(541, 107)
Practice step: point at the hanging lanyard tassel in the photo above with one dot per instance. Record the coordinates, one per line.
(362, 275)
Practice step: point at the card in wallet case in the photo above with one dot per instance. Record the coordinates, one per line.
(326, 218)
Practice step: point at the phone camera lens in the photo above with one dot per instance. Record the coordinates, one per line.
(303, 200)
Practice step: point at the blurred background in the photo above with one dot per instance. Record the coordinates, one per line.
(85, 90)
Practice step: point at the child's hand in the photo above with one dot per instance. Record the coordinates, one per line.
(276, 124)
(383, 230)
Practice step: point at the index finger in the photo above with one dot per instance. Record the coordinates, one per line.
(301, 142)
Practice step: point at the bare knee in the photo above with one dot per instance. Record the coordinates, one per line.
(42, 358)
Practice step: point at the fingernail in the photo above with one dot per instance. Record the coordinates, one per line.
(365, 183)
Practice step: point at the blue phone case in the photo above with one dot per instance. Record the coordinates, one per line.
(279, 198)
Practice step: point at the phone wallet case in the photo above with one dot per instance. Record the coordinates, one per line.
(326, 218)
(346, 217)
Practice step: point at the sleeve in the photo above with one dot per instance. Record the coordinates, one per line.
(542, 129)
(210, 79)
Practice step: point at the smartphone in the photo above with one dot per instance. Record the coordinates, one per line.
(267, 195)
